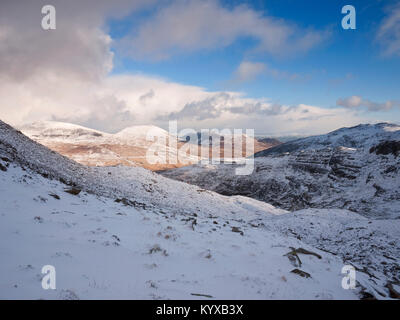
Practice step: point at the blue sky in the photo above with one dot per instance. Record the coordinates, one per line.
(278, 66)
(349, 62)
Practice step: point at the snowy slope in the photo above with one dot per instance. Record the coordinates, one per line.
(102, 249)
(141, 131)
(61, 131)
(165, 239)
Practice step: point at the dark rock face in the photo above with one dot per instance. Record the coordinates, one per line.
(386, 147)
(301, 273)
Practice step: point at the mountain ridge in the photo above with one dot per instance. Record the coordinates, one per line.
(351, 137)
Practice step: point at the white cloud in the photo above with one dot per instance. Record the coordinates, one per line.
(58, 73)
(186, 26)
(284, 75)
(355, 102)
(232, 110)
(109, 104)
(248, 70)
(78, 48)
(389, 31)
(116, 102)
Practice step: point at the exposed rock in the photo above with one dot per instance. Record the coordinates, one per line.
(387, 147)
(236, 229)
(73, 191)
(294, 258)
(392, 292)
(304, 251)
(131, 203)
(201, 295)
(301, 273)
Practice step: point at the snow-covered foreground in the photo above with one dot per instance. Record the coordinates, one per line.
(103, 249)
(370, 245)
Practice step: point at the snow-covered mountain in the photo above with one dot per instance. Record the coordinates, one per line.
(128, 147)
(61, 131)
(361, 137)
(126, 232)
(353, 168)
(95, 148)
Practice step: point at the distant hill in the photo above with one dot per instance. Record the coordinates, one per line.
(129, 146)
(95, 148)
(272, 142)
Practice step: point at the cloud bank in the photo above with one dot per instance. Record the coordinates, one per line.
(187, 26)
(355, 102)
(64, 74)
